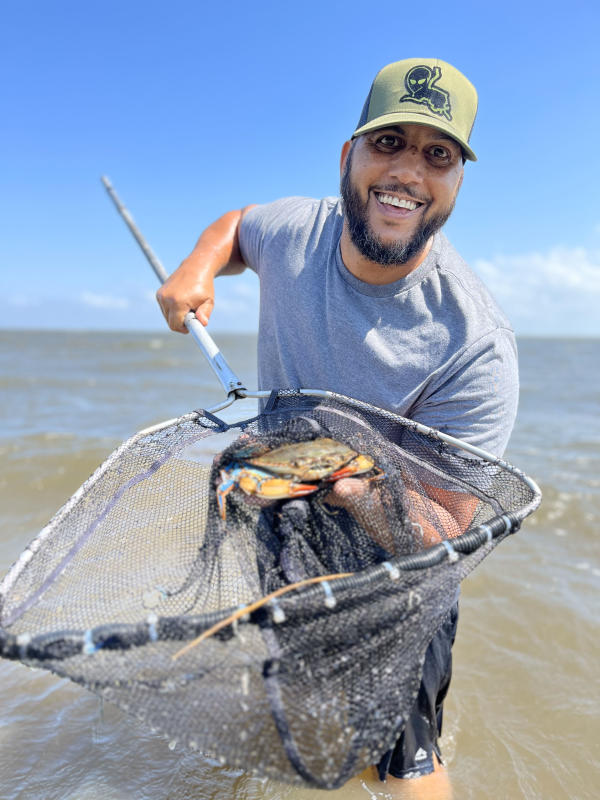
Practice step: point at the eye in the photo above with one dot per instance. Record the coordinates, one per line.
(388, 141)
(439, 154)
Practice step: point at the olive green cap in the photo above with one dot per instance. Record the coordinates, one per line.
(423, 91)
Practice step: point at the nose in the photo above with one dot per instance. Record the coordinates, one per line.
(407, 166)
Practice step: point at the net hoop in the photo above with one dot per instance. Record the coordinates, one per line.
(65, 644)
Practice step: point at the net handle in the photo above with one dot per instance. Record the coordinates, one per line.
(228, 379)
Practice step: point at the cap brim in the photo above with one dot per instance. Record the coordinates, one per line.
(415, 118)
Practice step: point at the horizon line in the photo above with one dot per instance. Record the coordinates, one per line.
(220, 331)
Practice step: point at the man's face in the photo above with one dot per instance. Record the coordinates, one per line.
(398, 186)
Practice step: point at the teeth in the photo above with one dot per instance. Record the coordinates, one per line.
(396, 201)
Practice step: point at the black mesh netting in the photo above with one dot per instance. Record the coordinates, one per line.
(309, 685)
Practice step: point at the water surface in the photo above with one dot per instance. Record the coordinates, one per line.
(522, 715)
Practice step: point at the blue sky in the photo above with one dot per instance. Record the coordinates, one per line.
(194, 108)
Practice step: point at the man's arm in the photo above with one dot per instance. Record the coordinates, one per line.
(191, 286)
(441, 514)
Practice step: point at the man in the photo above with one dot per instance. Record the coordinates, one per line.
(364, 296)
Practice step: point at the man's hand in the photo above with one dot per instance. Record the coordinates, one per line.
(360, 497)
(187, 289)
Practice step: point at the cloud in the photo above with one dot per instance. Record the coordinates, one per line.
(23, 301)
(104, 301)
(236, 303)
(556, 292)
(232, 306)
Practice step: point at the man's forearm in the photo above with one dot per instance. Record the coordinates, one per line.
(191, 286)
(217, 251)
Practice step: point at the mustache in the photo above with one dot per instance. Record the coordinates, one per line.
(400, 188)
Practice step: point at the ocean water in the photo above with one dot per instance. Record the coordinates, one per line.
(522, 717)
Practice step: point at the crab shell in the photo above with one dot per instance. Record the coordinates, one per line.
(310, 461)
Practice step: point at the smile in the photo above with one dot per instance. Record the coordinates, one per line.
(388, 200)
(399, 202)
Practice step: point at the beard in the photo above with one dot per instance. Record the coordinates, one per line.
(367, 242)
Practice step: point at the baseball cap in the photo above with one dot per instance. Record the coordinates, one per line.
(423, 91)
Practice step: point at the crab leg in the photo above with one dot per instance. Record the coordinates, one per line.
(223, 490)
(256, 482)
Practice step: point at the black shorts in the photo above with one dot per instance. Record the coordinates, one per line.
(412, 755)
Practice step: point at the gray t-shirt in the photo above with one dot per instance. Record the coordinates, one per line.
(433, 346)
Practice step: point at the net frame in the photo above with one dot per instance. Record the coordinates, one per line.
(23, 647)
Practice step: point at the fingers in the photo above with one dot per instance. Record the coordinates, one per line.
(347, 492)
(172, 311)
(357, 497)
(204, 311)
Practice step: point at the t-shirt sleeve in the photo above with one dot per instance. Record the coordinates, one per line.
(268, 231)
(477, 399)
(251, 234)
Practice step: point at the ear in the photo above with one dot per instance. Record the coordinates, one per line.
(345, 150)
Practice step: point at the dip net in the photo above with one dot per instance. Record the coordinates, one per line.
(284, 636)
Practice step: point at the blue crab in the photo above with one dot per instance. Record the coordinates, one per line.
(282, 472)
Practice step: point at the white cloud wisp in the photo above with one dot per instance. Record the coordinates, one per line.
(553, 293)
(104, 301)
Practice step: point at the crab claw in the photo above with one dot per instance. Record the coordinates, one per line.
(280, 488)
(356, 466)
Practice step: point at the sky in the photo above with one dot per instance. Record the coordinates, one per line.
(195, 108)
